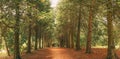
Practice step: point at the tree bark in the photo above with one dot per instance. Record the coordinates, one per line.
(40, 41)
(16, 30)
(71, 39)
(68, 39)
(6, 45)
(111, 47)
(89, 37)
(36, 37)
(29, 40)
(78, 31)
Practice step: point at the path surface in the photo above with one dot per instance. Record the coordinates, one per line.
(52, 53)
(65, 53)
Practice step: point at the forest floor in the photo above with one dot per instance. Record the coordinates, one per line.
(65, 53)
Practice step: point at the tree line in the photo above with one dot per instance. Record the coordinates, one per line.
(88, 23)
(27, 25)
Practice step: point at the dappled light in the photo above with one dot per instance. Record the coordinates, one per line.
(59, 29)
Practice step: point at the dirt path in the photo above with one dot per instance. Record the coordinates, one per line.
(52, 53)
(64, 53)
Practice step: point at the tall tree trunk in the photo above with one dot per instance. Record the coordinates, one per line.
(40, 40)
(71, 39)
(62, 41)
(36, 37)
(43, 41)
(40, 36)
(68, 39)
(78, 31)
(29, 40)
(16, 30)
(111, 47)
(65, 37)
(89, 37)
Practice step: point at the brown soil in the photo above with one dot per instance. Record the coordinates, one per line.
(64, 53)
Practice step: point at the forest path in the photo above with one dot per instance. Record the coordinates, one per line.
(52, 53)
(65, 53)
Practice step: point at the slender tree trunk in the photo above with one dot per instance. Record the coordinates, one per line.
(29, 40)
(6, 45)
(43, 41)
(40, 36)
(111, 47)
(89, 37)
(62, 42)
(36, 37)
(16, 30)
(71, 39)
(65, 37)
(0, 39)
(40, 41)
(68, 39)
(78, 31)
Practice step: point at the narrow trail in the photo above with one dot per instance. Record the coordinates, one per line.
(52, 53)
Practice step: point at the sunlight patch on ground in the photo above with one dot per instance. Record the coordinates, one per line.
(99, 47)
(3, 53)
(117, 47)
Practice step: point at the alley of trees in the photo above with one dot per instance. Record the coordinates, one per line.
(73, 29)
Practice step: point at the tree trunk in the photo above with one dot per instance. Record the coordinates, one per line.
(43, 41)
(78, 31)
(71, 39)
(62, 41)
(65, 37)
(6, 45)
(29, 40)
(40, 41)
(36, 37)
(16, 30)
(89, 37)
(111, 47)
(68, 39)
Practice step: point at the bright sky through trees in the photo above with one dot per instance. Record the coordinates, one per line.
(54, 3)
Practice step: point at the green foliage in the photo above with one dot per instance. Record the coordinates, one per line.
(35, 12)
(67, 11)
(52, 23)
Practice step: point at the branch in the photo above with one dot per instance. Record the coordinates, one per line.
(7, 25)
